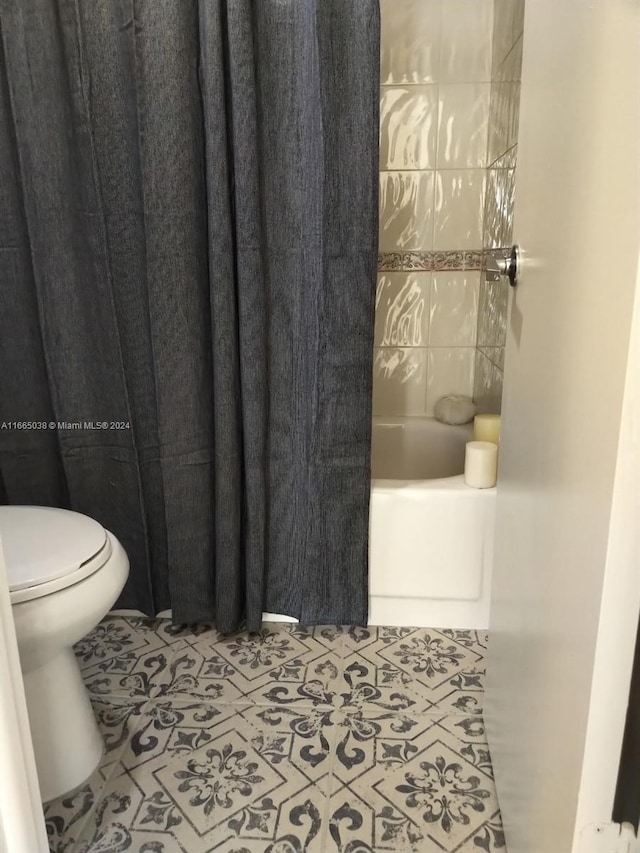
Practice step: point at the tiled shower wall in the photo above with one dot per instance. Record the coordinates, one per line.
(435, 102)
(498, 212)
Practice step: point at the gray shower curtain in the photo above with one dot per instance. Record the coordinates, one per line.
(188, 221)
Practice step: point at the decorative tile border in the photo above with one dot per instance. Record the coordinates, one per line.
(430, 261)
(391, 261)
(474, 259)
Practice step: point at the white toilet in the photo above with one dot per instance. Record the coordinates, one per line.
(65, 573)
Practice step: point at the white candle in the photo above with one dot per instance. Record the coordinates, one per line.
(481, 464)
(486, 428)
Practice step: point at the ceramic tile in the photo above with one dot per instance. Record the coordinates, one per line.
(518, 17)
(287, 661)
(498, 136)
(360, 738)
(408, 127)
(459, 201)
(450, 371)
(412, 670)
(465, 47)
(510, 69)
(379, 687)
(508, 24)
(466, 696)
(65, 816)
(463, 114)
(358, 638)
(507, 160)
(494, 213)
(477, 641)
(402, 309)
(468, 728)
(487, 392)
(399, 381)
(118, 635)
(283, 664)
(406, 211)
(513, 116)
(216, 778)
(449, 260)
(498, 208)
(454, 309)
(418, 261)
(467, 259)
(390, 261)
(494, 354)
(128, 657)
(175, 729)
(388, 754)
(492, 313)
(410, 41)
(490, 837)
(473, 259)
(504, 112)
(411, 785)
(504, 23)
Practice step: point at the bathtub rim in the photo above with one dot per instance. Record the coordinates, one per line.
(456, 481)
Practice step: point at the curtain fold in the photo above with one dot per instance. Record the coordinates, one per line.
(188, 236)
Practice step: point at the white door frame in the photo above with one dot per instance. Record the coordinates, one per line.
(619, 613)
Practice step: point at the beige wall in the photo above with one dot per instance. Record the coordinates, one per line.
(498, 211)
(435, 101)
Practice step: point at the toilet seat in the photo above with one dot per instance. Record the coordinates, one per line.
(48, 549)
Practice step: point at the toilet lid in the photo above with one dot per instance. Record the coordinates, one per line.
(42, 544)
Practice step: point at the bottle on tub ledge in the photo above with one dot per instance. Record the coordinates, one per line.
(481, 457)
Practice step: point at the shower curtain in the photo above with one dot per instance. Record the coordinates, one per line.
(188, 226)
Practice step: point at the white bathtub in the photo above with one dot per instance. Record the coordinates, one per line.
(431, 537)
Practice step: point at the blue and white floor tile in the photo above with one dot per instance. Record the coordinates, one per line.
(294, 740)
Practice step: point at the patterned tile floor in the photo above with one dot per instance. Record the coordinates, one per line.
(321, 740)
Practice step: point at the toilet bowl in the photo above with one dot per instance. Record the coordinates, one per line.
(65, 573)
